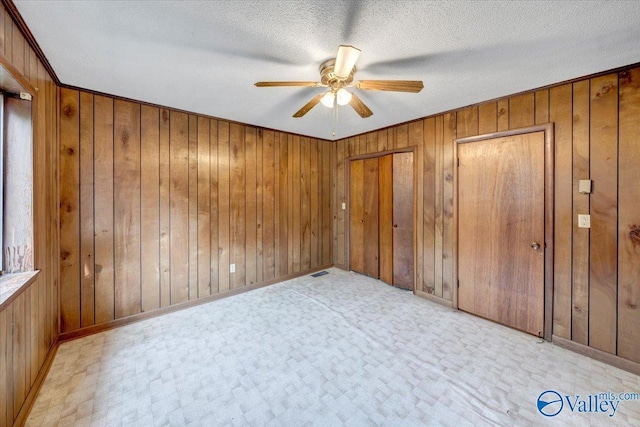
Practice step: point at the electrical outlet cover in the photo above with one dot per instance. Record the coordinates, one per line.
(584, 221)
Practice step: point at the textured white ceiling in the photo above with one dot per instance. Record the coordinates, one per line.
(205, 56)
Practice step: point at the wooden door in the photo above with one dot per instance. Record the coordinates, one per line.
(501, 230)
(385, 186)
(371, 249)
(363, 209)
(403, 220)
(356, 216)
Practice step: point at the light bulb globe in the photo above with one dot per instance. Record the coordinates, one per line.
(327, 99)
(343, 96)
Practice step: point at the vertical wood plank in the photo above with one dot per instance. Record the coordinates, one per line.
(341, 154)
(259, 217)
(542, 107)
(467, 121)
(204, 209)
(26, 319)
(439, 198)
(5, 386)
(193, 207)
(17, 49)
(34, 364)
(382, 140)
(372, 142)
(295, 204)
(8, 35)
(150, 207)
(416, 138)
(353, 148)
(126, 160)
(334, 203)
(7, 356)
(165, 210)
(487, 118)
(522, 110)
(503, 114)
(214, 224)
(560, 112)
(103, 200)
(223, 206)
(315, 208)
(50, 128)
(305, 202)
(402, 135)
(429, 204)
(69, 209)
(604, 213)
(19, 350)
(179, 206)
(237, 202)
(268, 205)
(3, 15)
(283, 209)
(449, 134)
(629, 218)
(87, 233)
(362, 144)
(276, 200)
(49, 209)
(580, 258)
(326, 174)
(251, 214)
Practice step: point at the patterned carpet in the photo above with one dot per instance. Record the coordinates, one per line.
(340, 349)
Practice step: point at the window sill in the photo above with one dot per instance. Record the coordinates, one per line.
(12, 285)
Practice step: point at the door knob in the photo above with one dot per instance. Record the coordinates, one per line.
(362, 221)
(395, 225)
(535, 246)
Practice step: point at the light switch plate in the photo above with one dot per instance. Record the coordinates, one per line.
(584, 186)
(232, 268)
(584, 221)
(344, 206)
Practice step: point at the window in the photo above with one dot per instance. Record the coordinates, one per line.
(17, 183)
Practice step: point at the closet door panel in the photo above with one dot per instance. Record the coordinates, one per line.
(371, 217)
(403, 220)
(356, 216)
(385, 203)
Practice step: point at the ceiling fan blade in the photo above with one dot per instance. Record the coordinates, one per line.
(391, 85)
(345, 61)
(357, 104)
(278, 84)
(308, 106)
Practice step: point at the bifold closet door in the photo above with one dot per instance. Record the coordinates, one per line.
(385, 186)
(403, 220)
(363, 221)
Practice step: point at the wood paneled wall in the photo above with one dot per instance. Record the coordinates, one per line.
(156, 205)
(597, 270)
(29, 323)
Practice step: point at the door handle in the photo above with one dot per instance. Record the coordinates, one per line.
(395, 225)
(535, 246)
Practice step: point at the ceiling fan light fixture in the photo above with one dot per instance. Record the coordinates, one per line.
(327, 99)
(343, 97)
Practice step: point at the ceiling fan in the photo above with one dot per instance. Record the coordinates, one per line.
(337, 75)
